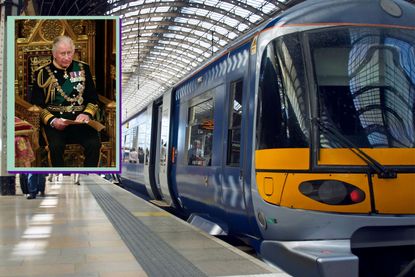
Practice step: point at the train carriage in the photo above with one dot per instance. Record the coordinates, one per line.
(299, 137)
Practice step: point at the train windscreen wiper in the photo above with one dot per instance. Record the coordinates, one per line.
(382, 172)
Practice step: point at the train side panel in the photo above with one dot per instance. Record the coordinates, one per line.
(133, 152)
(212, 109)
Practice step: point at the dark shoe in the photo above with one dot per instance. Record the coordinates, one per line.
(31, 196)
(42, 194)
(77, 183)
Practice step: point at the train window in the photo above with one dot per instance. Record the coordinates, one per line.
(127, 145)
(200, 131)
(141, 142)
(366, 85)
(235, 120)
(133, 157)
(282, 120)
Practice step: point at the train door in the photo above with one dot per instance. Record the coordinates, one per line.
(146, 150)
(157, 145)
(200, 150)
(163, 142)
(150, 149)
(154, 155)
(233, 199)
(158, 169)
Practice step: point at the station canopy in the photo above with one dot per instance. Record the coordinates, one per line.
(163, 41)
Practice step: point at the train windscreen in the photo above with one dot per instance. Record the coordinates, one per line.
(282, 113)
(366, 85)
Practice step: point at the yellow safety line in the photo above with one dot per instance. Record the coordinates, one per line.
(138, 214)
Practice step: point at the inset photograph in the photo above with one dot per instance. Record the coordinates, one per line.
(66, 94)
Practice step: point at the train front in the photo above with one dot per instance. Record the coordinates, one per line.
(335, 136)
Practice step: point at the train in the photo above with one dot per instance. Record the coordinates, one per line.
(298, 137)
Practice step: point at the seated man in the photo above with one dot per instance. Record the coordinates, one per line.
(65, 90)
(195, 154)
(133, 155)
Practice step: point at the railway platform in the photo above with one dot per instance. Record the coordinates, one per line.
(100, 229)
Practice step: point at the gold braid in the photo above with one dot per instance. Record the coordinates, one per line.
(45, 84)
(45, 115)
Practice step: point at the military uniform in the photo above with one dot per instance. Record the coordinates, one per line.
(65, 93)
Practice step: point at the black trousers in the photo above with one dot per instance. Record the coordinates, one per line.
(82, 134)
(36, 182)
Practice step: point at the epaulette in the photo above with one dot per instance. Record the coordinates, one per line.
(81, 62)
(40, 67)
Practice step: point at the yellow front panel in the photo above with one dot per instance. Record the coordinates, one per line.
(293, 198)
(385, 156)
(286, 158)
(392, 196)
(395, 196)
(265, 181)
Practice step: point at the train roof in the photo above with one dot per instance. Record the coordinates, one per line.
(386, 12)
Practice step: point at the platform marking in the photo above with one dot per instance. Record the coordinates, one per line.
(155, 256)
(139, 214)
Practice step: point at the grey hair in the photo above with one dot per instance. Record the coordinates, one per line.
(62, 39)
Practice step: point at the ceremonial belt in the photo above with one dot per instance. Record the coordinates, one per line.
(65, 109)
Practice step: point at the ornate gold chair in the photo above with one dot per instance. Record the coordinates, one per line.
(33, 49)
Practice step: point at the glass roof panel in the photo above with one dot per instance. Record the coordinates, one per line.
(242, 27)
(241, 12)
(254, 18)
(254, 3)
(268, 8)
(221, 30)
(225, 5)
(142, 11)
(193, 21)
(162, 9)
(197, 11)
(204, 44)
(136, 3)
(130, 14)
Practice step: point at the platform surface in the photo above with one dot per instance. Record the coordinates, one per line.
(100, 229)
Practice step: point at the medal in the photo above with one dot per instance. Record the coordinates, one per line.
(80, 87)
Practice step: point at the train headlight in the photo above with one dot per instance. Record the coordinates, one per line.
(332, 192)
